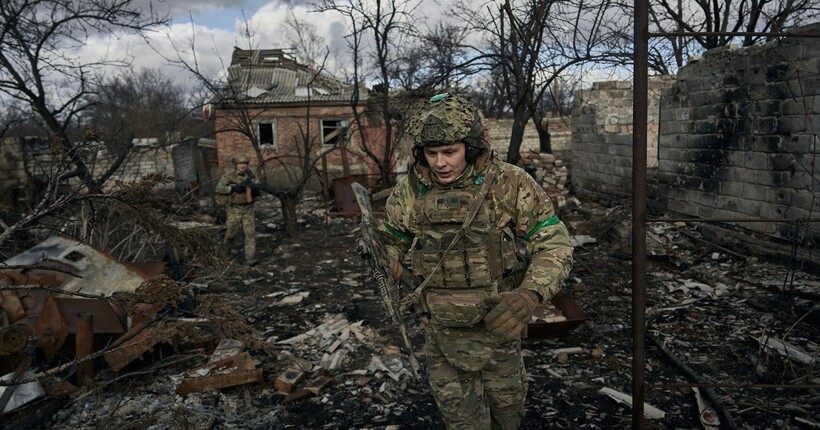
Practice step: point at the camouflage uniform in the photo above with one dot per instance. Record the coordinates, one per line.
(476, 376)
(239, 211)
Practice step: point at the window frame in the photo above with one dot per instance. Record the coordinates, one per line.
(345, 122)
(267, 147)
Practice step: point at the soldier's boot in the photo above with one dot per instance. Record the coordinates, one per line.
(250, 260)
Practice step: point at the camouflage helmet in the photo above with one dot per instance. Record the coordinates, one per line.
(444, 119)
(241, 159)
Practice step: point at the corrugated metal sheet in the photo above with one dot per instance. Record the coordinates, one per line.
(274, 85)
(99, 272)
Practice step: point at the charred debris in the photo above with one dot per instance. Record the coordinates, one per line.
(302, 340)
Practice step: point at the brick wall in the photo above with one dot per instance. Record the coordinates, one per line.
(739, 131)
(601, 140)
(288, 121)
(499, 131)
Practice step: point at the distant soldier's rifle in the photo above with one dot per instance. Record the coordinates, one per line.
(377, 256)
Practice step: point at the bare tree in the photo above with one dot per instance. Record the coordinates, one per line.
(375, 30)
(535, 42)
(761, 16)
(39, 65)
(437, 59)
(146, 103)
(304, 39)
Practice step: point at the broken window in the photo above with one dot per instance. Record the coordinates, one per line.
(267, 135)
(334, 131)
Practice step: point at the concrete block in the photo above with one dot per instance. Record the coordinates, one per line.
(800, 144)
(773, 211)
(781, 161)
(748, 207)
(800, 180)
(778, 196)
(764, 125)
(706, 212)
(803, 199)
(727, 203)
(703, 127)
(756, 160)
(795, 107)
(793, 124)
(731, 189)
(752, 191)
(771, 143)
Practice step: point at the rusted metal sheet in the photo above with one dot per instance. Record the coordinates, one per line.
(133, 348)
(345, 199)
(50, 328)
(11, 306)
(106, 319)
(98, 271)
(571, 317)
(232, 371)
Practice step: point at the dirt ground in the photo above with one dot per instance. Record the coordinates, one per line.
(706, 307)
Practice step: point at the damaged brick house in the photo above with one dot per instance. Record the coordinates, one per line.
(275, 100)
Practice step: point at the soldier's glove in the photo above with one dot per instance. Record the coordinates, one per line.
(396, 269)
(237, 188)
(510, 313)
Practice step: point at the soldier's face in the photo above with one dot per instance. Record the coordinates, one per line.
(241, 167)
(447, 162)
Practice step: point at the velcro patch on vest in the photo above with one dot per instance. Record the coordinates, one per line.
(449, 207)
(448, 204)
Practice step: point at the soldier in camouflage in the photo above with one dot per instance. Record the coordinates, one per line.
(489, 246)
(236, 188)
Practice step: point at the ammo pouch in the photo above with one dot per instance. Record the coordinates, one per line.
(458, 308)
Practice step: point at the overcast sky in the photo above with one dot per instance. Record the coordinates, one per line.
(216, 26)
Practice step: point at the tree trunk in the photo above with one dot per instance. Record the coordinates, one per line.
(289, 204)
(544, 142)
(516, 138)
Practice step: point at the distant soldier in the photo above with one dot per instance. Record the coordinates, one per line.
(489, 247)
(236, 189)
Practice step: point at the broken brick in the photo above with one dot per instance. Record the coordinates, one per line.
(297, 395)
(317, 385)
(288, 379)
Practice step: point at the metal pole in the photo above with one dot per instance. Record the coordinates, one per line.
(639, 119)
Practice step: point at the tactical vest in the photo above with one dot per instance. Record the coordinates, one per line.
(483, 262)
(237, 199)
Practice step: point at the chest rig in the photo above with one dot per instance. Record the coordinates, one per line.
(457, 252)
(472, 261)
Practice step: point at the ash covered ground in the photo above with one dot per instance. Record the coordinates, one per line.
(313, 299)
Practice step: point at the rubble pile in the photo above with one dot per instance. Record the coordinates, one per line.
(550, 173)
(730, 337)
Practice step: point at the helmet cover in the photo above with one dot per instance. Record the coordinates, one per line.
(444, 119)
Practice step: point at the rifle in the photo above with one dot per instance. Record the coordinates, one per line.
(377, 255)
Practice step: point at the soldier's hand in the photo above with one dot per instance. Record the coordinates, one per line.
(237, 188)
(510, 313)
